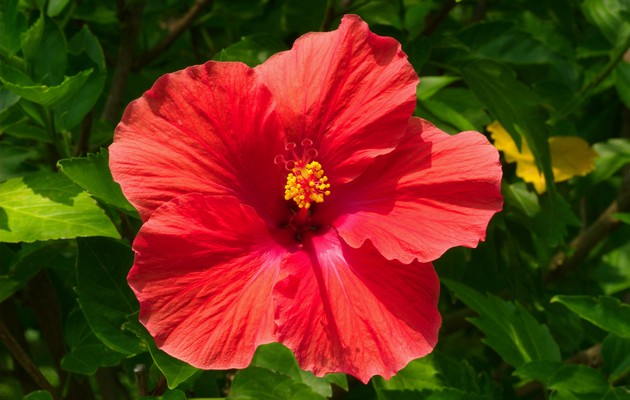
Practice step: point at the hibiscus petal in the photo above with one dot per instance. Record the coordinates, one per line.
(349, 91)
(204, 272)
(349, 310)
(434, 192)
(209, 129)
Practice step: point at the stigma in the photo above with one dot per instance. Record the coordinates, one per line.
(306, 184)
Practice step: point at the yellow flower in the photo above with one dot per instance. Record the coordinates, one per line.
(570, 156)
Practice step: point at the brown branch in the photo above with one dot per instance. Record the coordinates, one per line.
(129, 18)
(329, 16)
(580, 247)
(109, 386)
(433, 23)
(24, 360)
(140, 373)
(42, 299)
(175, 30)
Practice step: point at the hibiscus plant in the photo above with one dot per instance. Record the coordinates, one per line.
(326, 199)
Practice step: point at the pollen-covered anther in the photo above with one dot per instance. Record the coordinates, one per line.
(306, 184)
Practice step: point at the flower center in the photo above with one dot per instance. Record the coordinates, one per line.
(306, 183)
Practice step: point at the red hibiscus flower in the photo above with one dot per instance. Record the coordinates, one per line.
(298, 202)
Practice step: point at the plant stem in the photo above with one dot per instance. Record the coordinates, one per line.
(175, 30)
(129, 18)
(433, 23)
(585, 91)
(59, 140)
(24, 360)
(328, 17)
(589, 238)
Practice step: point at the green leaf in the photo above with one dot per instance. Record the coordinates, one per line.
(431, 377)
(613, 272)
(495, 85)
(612, 17)
(26, 263)
(55, 7)
(605, 312)
(623, 217)
(518, 196)
(252, 50)
(541, 371)
(509, 328)
(616, 355)
(7, 99)
(456, 107)
(173, 395)
(48, 206)
(103, 294)
(38, 395)
(85, 42)
(175, 371)
(24, 130)
(430, 85)
(87, 353)
(381, 12)
(415, 17)
(71, 111)
(279, 359)
(12, 24)
(418, 50)
(507, 41)
(23, 86)
(611, 157)
(93, 175)
(255, 383)
(45, 51)
(551, 223)
(303, 16)
(578, 382)
(622, 82)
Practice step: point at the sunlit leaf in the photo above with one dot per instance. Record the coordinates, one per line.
(255, 383)
(48, 206)
(278, 358)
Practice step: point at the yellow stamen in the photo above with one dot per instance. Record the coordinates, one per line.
(306, 184)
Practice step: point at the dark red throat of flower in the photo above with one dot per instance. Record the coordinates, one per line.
(306, 184)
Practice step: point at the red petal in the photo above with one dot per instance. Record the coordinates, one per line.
(350, 310)
(204, 272)
(432, 193)
(208, 129)
(349, 91)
